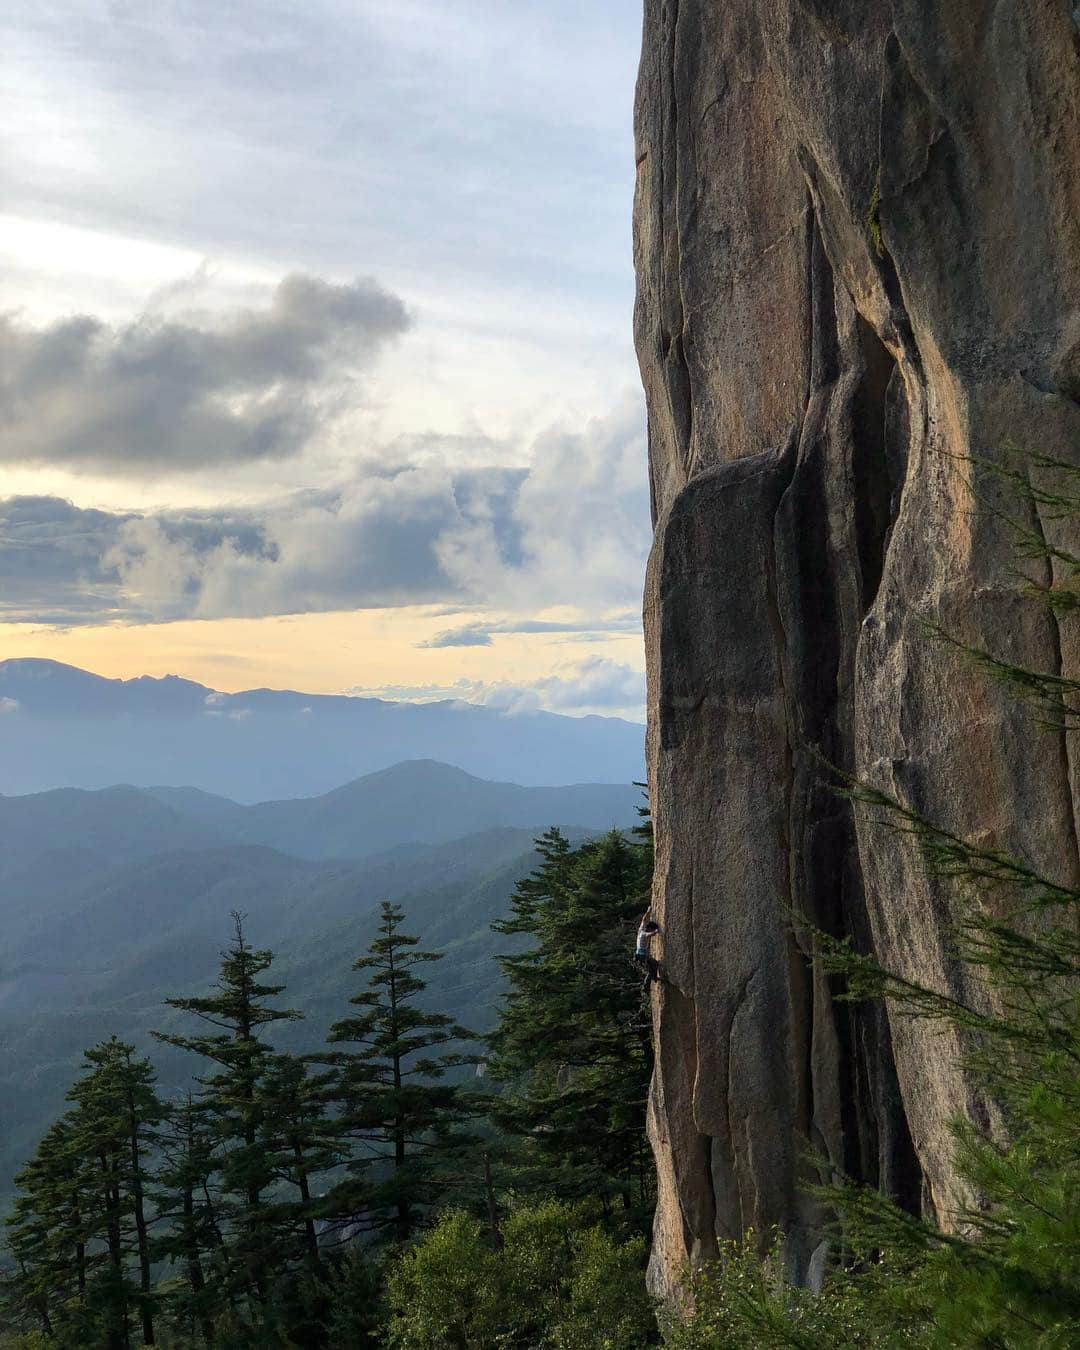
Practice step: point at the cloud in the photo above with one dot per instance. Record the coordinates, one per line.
(471, 635)
(480, 634)
(582, 513)
(9, 705)
(164, 394)
(596, 685)
(569, 529)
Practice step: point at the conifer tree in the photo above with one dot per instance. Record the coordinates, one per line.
(117, 1112)
(79, 1231)
(187, 1209)
(47, 1235)
(572, 1045)
(234, 1098)
(300, 1144)
(394, 1101)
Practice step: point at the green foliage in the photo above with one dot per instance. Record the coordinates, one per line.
(560, 1281)
(237, 1100)
(573, 1043)
(743, 1301)
(247, 1214)
(396, 1106)
(354, 1300)
(79, 1231)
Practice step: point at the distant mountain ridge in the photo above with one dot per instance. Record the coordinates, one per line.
(62, 726)
(418, 802)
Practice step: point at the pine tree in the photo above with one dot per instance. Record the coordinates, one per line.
(572, 1045)
(394, 1101)
(300, 1144)
(117, 1112)
(188, 1211)
(234, 1099)
(47, 1235)
(79, 1231)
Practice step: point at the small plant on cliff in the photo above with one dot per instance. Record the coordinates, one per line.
(873, 220)
(1007, 1270)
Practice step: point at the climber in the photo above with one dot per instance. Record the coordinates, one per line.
(647, 930)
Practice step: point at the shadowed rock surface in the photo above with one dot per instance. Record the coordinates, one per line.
(858, 256)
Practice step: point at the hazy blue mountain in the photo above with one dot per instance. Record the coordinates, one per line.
(60, 726)
(418, 802)
(69, 832)
(113, 900)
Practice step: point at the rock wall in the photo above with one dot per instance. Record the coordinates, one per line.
(857, 237)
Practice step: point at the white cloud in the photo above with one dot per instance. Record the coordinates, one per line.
(9, 705)
(596, 685)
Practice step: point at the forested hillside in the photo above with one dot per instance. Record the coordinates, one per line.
(299, 1126)
(114, 898)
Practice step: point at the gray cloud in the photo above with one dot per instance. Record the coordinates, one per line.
(571, 529)
(168, 394)
(471, 635)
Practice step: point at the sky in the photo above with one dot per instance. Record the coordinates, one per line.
(315, 346)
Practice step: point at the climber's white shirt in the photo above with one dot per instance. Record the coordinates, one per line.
(644, 938)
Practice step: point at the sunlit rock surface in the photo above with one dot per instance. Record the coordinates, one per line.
(858, 255)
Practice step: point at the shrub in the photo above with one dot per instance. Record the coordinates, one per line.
(558, 1282)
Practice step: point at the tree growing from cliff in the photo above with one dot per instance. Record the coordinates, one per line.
(573, 1045)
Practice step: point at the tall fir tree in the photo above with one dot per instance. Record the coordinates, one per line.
(572, 1046)
(116, 1117)
(235, 1101)
(46, 1285)
(395, 1102)
(80, 1229)
(191, 1236)
(301, 1144)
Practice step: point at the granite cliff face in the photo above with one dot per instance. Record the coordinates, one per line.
(858, 255)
